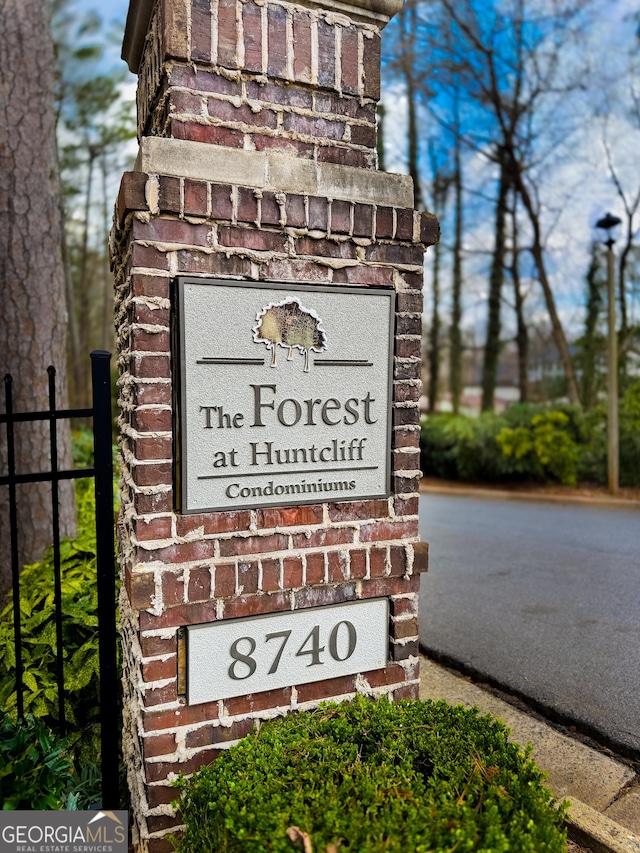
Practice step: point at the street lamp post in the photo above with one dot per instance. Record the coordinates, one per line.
(607, 225)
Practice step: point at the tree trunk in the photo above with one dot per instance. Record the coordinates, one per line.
(85, 283)
(455, 334)
(33, 319)
(492, 344)
(407, 35)
(522, 333)
(556, 326)
(590, 347)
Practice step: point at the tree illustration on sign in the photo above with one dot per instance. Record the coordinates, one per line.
(289, 324)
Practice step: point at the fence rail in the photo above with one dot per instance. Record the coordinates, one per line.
(102, 472)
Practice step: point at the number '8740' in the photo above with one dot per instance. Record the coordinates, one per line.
(340, 645)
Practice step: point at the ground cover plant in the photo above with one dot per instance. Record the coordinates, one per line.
(372, 776)
(532, 443)
(80, 645)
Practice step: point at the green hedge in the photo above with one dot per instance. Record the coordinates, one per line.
(528, 443)
(370, 777)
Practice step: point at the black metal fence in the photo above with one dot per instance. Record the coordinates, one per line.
(102, 472)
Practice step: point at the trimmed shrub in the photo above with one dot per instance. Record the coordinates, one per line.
(372, 776)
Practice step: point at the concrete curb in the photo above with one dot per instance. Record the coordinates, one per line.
(538, 497)
(591, 781)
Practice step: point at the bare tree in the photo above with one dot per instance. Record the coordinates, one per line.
(33, 320)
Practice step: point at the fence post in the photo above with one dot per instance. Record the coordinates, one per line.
(109, 688)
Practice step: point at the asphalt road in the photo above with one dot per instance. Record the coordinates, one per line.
(541, 598)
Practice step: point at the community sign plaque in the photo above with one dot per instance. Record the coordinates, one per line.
(283, 393)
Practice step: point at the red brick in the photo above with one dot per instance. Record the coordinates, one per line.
(164, 230)
(365, 275)
(337, 565)
(404, 224)
(384, 222)
(169, 194)
(391, 674)
(152, 395)
(131, 195)
(318, 213)
(343, 249)
(199, 588)
(150, 285)
(156, 772)
(429, 229)
(324, 538)
(408, 691)
(358, 510)
(289, 516)
(152, 646)
(204, 736)
(410, 302)
(160, 795)
(344, 156)
(214, 263)
(184, 552)
(195, 198)
(160, 502)
(302, 46)
(295, 211)
(406, 437)
(160, 695)
(269, 209)
(377, 562)
(242, 114)
(292, 572)
(404, 392)
(408, 348)
(406, 417)
(203, 80)
(185, 104)
(140, 588)
(315, 126)
(143, 340)
(371, 61)
(225, 581)
(409, 324)
(405, 628)
(158, 823)
(253, 545)
(364, 134)
(227, 33)
(172, 588)
(320, 596)
(251, 238)
(247, 205)
(252, 31)
(395, 253)
(152, 528)
(326, 54)
(341, 217)
(386, 530)
(182, 614)
(406, 506)
(247, 577)
(349, 60)
(280, 92)
(358, 567)
(152, 474)
(413, 280)
(404, 606)
(406, 485)
(213, 522)
(254, 605)
(271, 575)
(383, 587)
(158, 670)
(254, 703)
(186, 715)
(315, 568)
(326, 689)
(155, 315)
(406, 650)
(362, 220)
(277, 41)
(200, 30)
(221, 204)
(213, 134)
(149, 257)
(292, 270)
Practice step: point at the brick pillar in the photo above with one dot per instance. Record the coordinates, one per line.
(257, 163)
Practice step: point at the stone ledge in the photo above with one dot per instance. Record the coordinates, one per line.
(265, 170)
